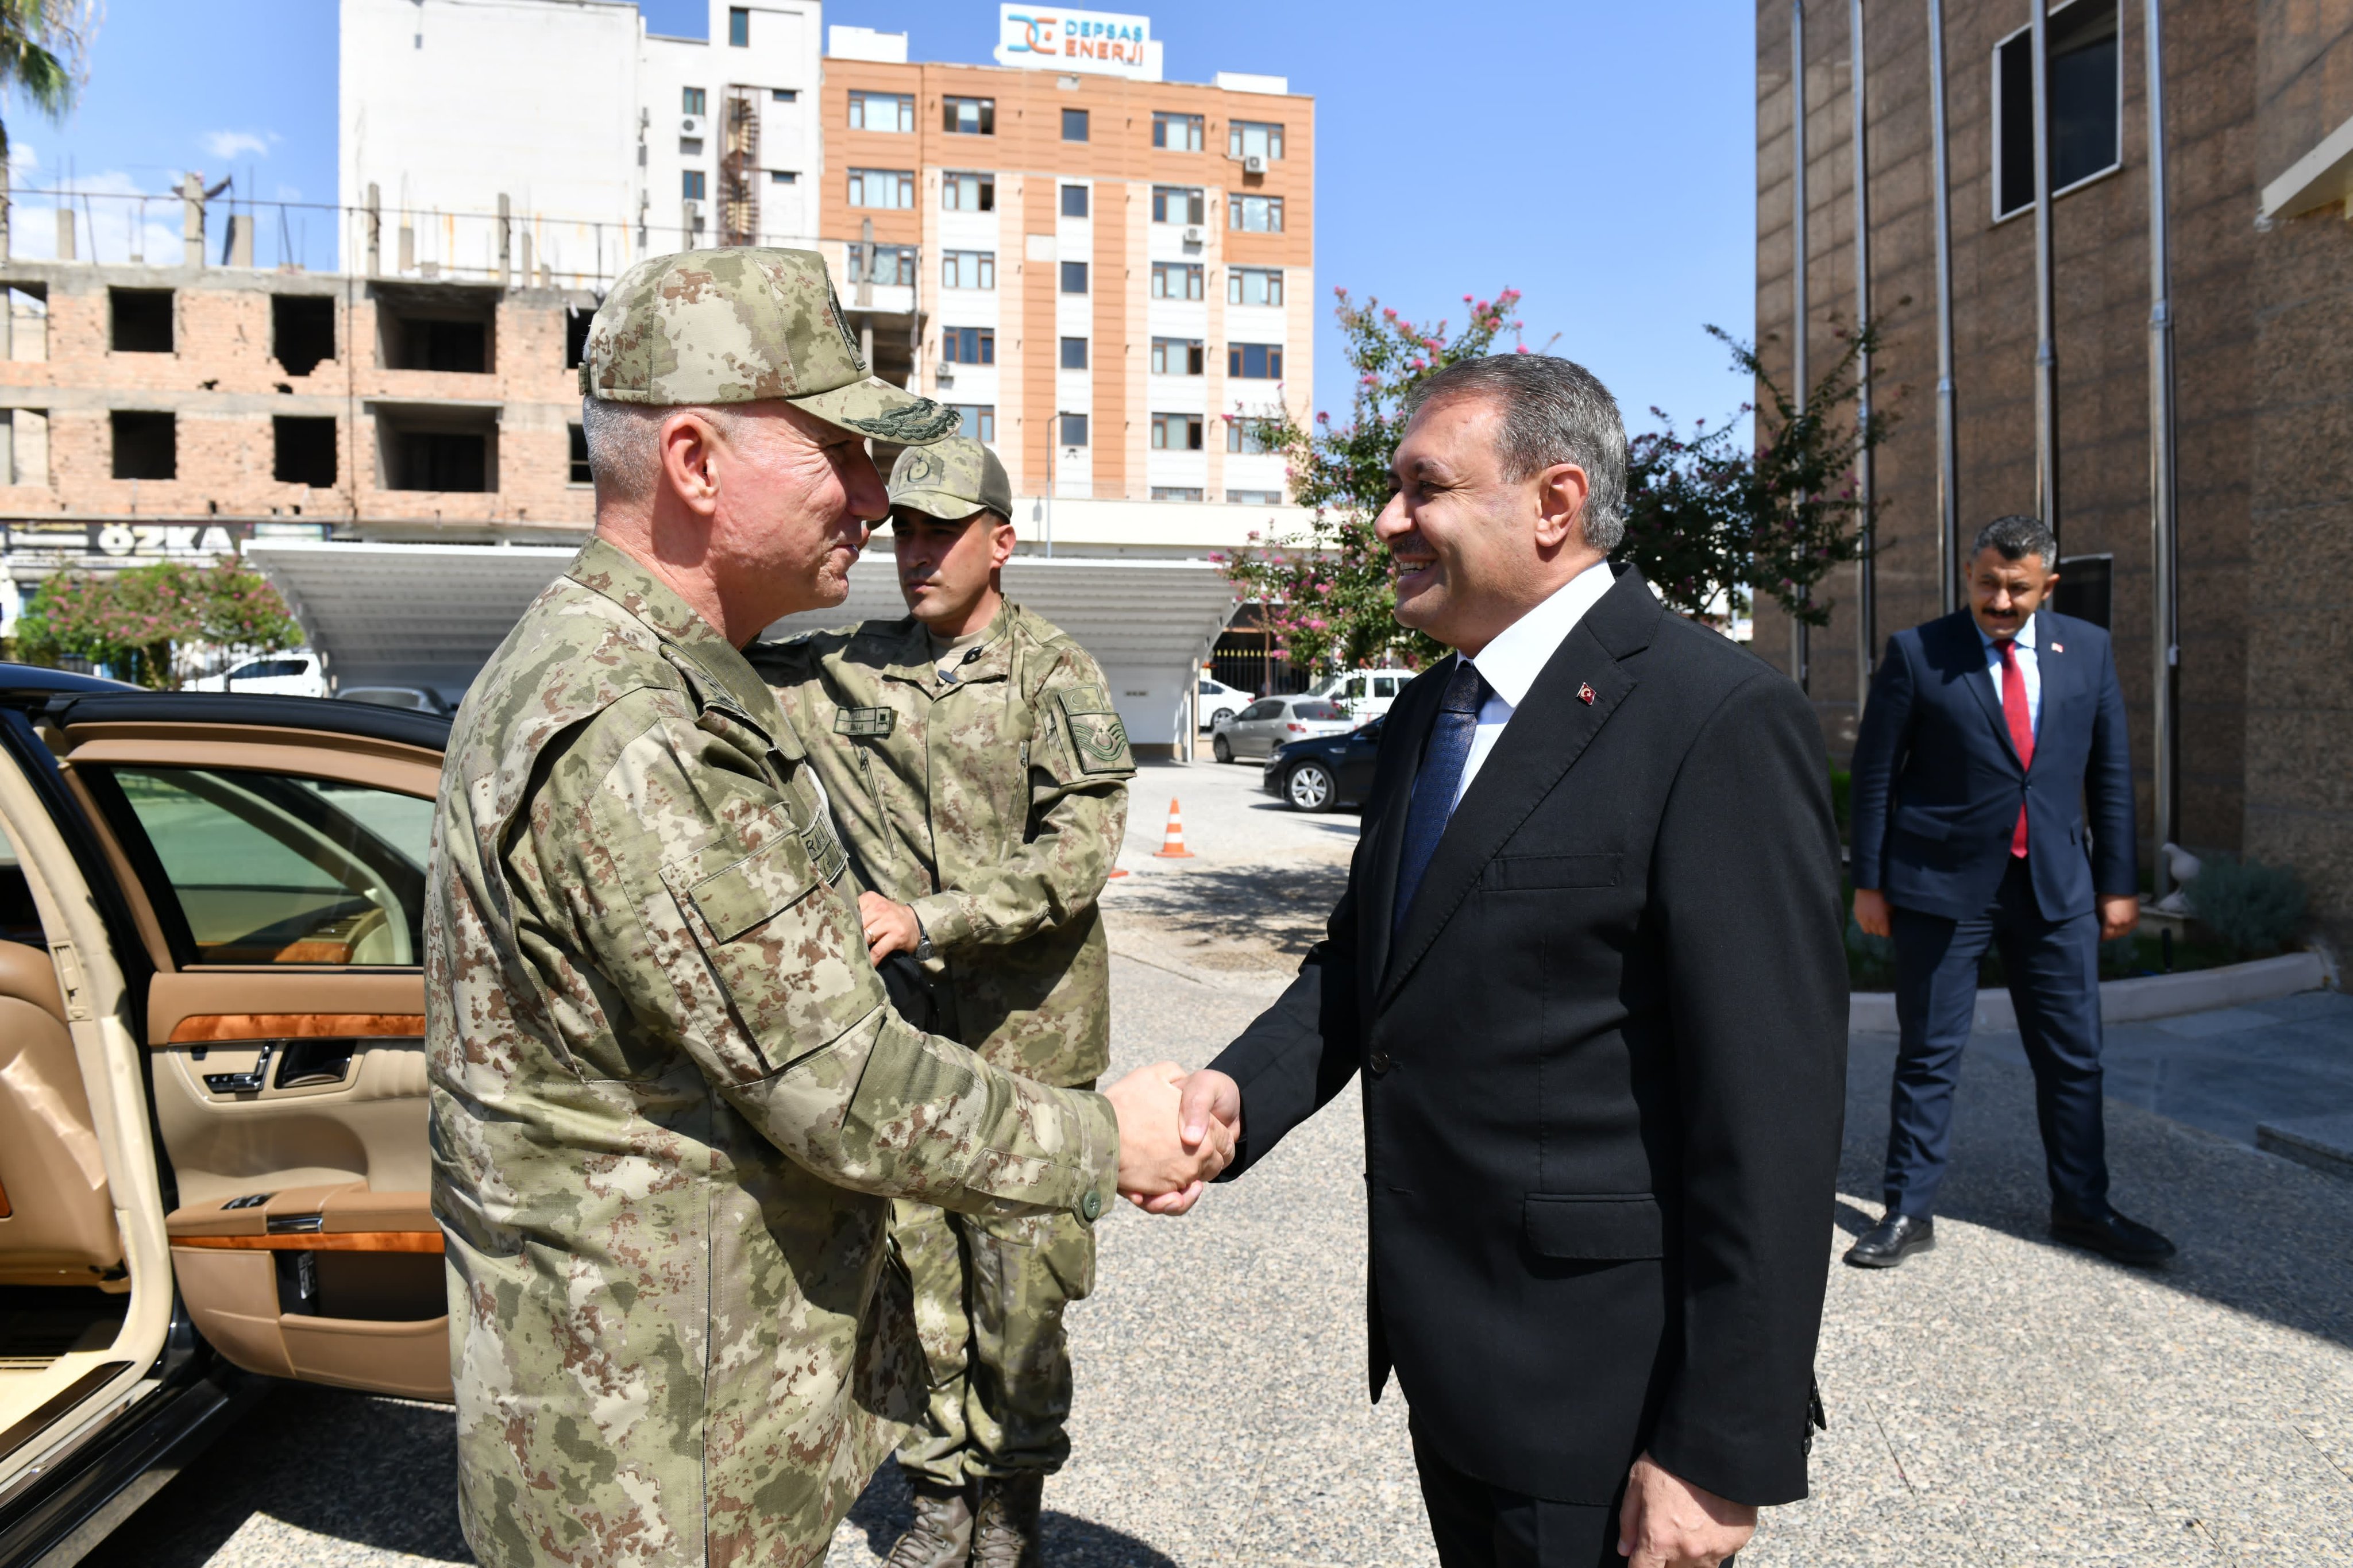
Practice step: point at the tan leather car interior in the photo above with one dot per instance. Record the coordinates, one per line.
(56, 1217)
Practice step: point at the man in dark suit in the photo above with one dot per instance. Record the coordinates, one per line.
(1993, 806)
(1588, 966)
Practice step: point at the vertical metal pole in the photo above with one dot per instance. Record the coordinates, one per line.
(2165, 734)
(1798, 373)
(1949, 453)
(1866, 570)
(2046, 348)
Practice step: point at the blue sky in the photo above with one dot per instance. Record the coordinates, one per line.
(1598, 156)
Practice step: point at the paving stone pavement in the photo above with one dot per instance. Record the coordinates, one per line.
(1997, 1401)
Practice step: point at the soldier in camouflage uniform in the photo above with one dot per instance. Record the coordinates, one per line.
(670, 1103)
(977, 770)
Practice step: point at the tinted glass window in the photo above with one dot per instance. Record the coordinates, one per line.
(275, 869)
(1267, 710)
(1316, 711)
(1384, 685)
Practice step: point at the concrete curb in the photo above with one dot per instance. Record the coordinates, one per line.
(2137, 1000)
(2323, 1143)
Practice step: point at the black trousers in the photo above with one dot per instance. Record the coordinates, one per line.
(1481, 1526)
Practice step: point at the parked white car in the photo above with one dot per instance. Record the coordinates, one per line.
(1270, 723)
(297, 674)
(1220, 703)
(1364, 693)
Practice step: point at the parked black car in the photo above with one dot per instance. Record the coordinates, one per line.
(1325, 771)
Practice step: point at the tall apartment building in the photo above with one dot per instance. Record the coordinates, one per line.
(600, 142)
(1111, 275)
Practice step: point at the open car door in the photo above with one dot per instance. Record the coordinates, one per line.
(273, 851)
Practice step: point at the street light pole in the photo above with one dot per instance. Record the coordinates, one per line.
(2165, 630)
(1949, 453)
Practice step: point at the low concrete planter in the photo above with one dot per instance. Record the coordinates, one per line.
(2131, 1001)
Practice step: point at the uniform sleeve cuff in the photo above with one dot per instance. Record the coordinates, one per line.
(1101, 1134)
(944, 919)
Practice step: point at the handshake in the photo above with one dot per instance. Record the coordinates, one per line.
(1176, 1131)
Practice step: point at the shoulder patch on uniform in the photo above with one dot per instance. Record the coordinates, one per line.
(1098, 740)
(871, 722)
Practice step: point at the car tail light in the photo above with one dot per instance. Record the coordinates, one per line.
(1296, 729)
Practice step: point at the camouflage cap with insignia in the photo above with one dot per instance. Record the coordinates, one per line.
(951, 479)
(744, 325)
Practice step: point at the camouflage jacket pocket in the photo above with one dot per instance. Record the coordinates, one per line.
(1098, 740)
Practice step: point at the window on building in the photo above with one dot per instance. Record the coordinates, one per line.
(1179, 204)
(893, 112)
(783, 177)
(968, 193)
(689, 146)
(575, 336)
(978, 421)
(1176, 433)
(1075, 125)
(304, 451)
(1176, 280)
(739, 26)
(1254, 214)
(968, 116)
(882, 188)
(693, 100)
(1175, 492)
(439, 329)
(1253, 139)
(453, 460)
(894, 265)
(783, 95)
(146, 445)
(580, 474)
(301, 332)
(140, 321)
(690, 185)
(1074, 201)
(1178, 356)
(968, 270)
(2086, 82)
(1254, 286)
(1074, 277)
(968, 345)
(26, 459)
(1255, 362)
(1074, 354)
(1074, 429)
(1254, 498)
(1250, 436)
(1176, 133)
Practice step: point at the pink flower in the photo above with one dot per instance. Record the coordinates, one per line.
(1524, 349)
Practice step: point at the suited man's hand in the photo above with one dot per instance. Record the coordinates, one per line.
(1158, 1169)
(1873, 913)
(1210, 1109)
(2118, 915)
(1668, 1522)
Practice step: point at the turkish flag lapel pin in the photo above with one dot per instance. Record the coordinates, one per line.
(2058, 648)
(1587, 695)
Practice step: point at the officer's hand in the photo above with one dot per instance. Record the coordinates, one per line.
(1873, 913)
(889, 928)
(1211, 1104)
(1154, 1160)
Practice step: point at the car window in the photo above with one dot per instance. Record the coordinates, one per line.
(1384, 685)
(1355, 688)
(1266, 709)
(269, 867)
(1208, 689)
(1307, 709)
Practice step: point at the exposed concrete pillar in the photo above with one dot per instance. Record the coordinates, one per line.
(191, 220)
(65, 233)
(506, 242)
(408, 247)
(375, 231)
(239, 252)
(523, 241)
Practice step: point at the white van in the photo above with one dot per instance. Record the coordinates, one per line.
(1364, 693)
(296, 674)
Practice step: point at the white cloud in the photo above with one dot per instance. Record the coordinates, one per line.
(110, 223)
(227, 144)
(288, 193)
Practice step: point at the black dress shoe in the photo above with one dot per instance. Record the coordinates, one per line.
(1889, 1242)
(2112, 1236)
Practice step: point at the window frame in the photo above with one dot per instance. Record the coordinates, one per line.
(1994, 184)
(1236, 128)
(904, 260)
(1197, 200)
(1084, 121)
(857, 181)
(1062, 347)
(954, 341)
(1242, 430)
(1062, 418)
(1193, 273)
(1195, 431)
(902, 108)
(739, 26)
(1196, 354)
(1066, 271)
(1238, 203)
(977, 421)
(1271, 274)
(693, 100)
(984, 188)
(984, 266)
(1085, 194)
(1238, 358)
(984, 116)
(1196, 125)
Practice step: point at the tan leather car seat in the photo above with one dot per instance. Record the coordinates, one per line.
(58, 1227)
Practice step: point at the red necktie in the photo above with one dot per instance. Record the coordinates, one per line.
(2022, 726)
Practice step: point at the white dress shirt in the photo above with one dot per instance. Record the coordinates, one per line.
(1510, 663)
(2029, 665)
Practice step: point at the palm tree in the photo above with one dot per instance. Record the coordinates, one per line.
(44, 47)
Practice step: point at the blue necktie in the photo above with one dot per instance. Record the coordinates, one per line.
(1435, 786)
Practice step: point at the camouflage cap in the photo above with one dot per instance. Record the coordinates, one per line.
(951, 479)
(743, 325)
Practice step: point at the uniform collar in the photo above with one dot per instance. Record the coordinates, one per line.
(603, 568)
(988, 657)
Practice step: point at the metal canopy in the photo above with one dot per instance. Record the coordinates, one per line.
(432, 614)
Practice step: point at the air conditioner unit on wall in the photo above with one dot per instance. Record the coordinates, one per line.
(1192, 236)
(693, 124)
(1254, 164)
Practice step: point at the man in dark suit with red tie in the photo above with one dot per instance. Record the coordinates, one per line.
(1588, 975)
(1993, 806)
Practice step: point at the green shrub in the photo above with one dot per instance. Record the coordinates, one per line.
(2255, 908)
(1841, 797)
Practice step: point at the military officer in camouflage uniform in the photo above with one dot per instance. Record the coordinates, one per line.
(669, 1102)
(976, 768)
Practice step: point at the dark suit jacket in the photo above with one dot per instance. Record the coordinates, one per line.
(1604, 1069)
(1937, 783)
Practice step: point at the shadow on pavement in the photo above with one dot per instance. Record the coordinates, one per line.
(378, 1473)
(2257, 1234)
(1285, 910)
(882, 1512)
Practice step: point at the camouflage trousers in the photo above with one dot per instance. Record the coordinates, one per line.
(990, 1295)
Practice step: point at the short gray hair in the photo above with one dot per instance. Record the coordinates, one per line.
(2017, 536)
(1555, 411)
(623, 449)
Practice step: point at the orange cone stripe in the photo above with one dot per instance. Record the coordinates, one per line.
(1172, 847)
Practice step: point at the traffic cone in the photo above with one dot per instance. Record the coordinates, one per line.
(1173, 846)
